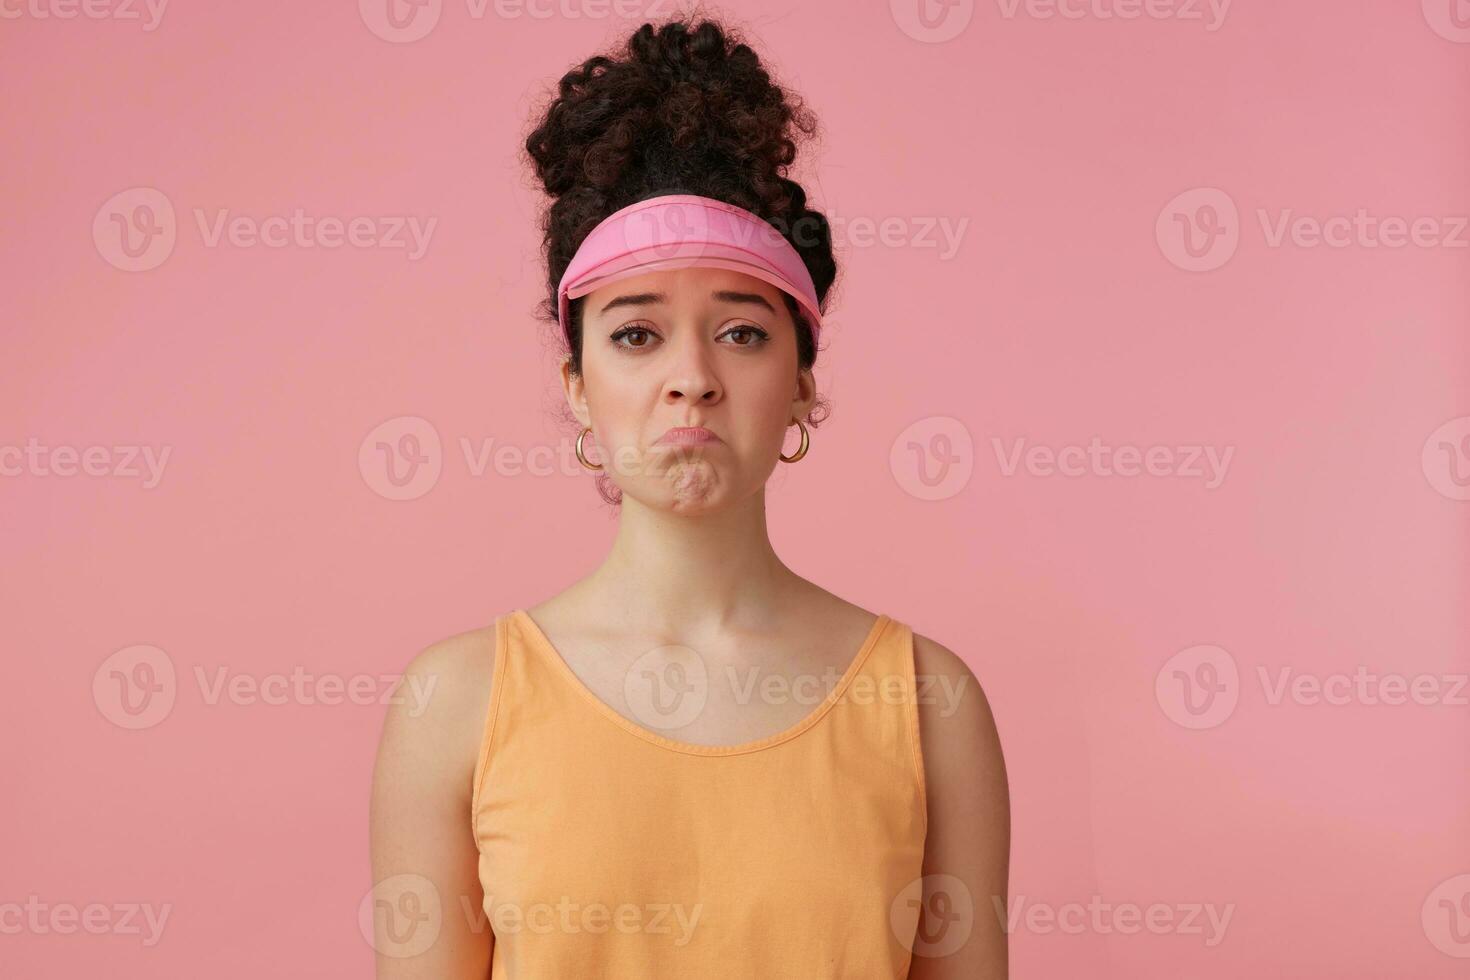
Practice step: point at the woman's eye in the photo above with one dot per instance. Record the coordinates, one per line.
(755, 334)
(637, 337)
(641, 332)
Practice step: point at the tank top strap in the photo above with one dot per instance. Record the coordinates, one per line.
(883, 700)
(502, 669)
(530, 693)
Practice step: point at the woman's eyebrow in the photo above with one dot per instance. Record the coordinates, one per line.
(634, 299)
(723, 295)
(727, 296)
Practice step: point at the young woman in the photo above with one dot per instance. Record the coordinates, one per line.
(693, 762)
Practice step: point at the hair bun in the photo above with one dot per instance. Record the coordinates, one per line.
(679, 108)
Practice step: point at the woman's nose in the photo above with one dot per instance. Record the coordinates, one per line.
(691, 373)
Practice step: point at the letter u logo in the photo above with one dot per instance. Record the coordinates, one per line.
(142, 680)
(401, 13)
(1205, 220)
(1457, 461)
(144, 222)
(1205, 680)
(1460, 14)
(941, 450)
(409, 451)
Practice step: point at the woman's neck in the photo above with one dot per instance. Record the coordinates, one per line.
(704, 572)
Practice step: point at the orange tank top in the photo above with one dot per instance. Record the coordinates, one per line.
(609, 849)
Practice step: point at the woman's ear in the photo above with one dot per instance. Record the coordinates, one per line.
(574, 387)
(806, 394)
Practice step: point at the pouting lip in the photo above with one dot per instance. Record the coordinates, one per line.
(687, 435)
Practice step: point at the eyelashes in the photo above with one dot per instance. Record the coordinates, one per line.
(759, 335)
(622, 332)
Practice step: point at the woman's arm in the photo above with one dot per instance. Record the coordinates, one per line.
(969, 837)
(426, 896)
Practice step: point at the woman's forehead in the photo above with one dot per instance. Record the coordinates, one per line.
(692, 284)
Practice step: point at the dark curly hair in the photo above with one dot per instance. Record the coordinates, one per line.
(681, 108)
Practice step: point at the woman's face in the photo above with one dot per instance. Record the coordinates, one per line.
(682, 348)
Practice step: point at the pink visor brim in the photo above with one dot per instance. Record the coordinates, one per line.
(700, 232)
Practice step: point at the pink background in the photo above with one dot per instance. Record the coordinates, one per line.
(267, 545)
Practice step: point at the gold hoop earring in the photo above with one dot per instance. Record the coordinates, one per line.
(582, 458)
(806, 442)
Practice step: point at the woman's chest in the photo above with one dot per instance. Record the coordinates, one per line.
(695, 839)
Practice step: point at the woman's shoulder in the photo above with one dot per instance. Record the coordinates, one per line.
(956, 724)
(441, 700)
(463, 656)
(953, 690)
(460, 666)
(935, 659)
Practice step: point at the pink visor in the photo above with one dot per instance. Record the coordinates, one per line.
(677, 231)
